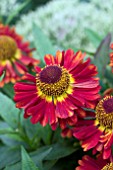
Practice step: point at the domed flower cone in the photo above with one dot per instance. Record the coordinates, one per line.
(15, 55)
(65, 84)
(88, 163)
(97, 132)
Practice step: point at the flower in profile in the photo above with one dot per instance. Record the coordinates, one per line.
(88, 163)
(97, 132)
(111, 57)
(15, 55)
(65, 84)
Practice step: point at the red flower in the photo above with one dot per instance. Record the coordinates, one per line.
(15, 55)
(88, 163)
(65, 84)
(111, 57)
(97, 132)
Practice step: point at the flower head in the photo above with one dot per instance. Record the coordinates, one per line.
(15, 55)
(88, 163)
(65, 84)
(98, 132)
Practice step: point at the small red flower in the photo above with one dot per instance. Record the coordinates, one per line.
(65, 84)
(97, 132)
(15, 55)
(88, 163)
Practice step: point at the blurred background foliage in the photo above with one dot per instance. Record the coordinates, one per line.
(50, 25)
(75, 23)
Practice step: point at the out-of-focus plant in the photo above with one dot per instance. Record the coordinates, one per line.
(76, 24)
(7, 6)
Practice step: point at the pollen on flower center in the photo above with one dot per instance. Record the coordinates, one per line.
(8, 47)
(53, 80)
(108, 167)
(104, 112)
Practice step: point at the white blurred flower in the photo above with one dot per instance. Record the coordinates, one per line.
(6, 6)
(65, 22)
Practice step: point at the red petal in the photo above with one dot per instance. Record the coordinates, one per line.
(49, 59)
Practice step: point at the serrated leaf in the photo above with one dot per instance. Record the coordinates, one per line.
(42, 42)
(27, 163)
(93, 37)
(102, 55)
(8, 112)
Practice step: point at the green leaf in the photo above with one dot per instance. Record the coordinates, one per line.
(8, 90)
(42, 43)
(4, 125)
(37, 159)
(93, 37)
(49, 164)
(102, 55)
(31, 129)
(8, 112)
(57, 151)
(6, 131)
(2, 76)
(27, 163)
(16, 12)
(36, 132)
(46, 134)
(16, 166)
(41, 153)
(9, 156)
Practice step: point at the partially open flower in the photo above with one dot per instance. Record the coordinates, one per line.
(97, 132)
(88, 163)
(15, 55)
(65, 84)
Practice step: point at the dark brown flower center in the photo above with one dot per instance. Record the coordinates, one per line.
(50, 74)
(53, 80)
(104, 112)
(109, 166)
(8, 47)
(108, 105)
